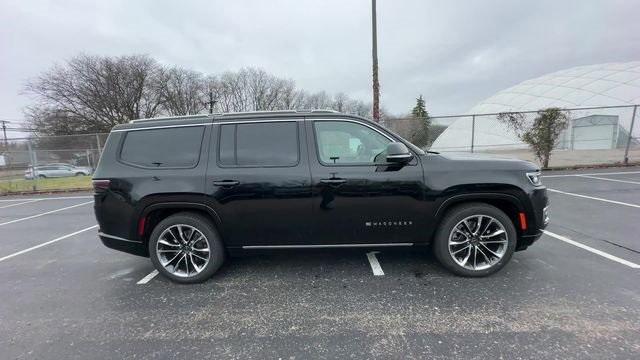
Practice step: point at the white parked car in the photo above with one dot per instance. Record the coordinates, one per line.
(56, 170)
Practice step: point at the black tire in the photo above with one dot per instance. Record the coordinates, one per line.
(203, 225)
(79, 174)
(42, 176)
(454, 217)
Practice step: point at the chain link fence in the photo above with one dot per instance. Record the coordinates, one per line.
(50, 163)
(604, 135)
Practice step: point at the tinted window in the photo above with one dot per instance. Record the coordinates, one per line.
(227, 145)
(259, 144)
(174, 147)
(341, 142)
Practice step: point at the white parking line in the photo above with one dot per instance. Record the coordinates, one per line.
(44, 213)
(49, 198)
(20, 203)
(148, 278)
(591, 198)
(47, 243)
(595, 251)
(375, 265)
(607, 179)
(592, 174)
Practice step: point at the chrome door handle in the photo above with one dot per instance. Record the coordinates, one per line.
(226, 183)
(335, 181)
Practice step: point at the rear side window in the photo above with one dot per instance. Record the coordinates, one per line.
(259, 144)
(162, 148)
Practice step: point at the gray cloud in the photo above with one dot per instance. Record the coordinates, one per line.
(455, 53)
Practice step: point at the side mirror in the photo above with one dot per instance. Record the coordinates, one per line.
(398, 153)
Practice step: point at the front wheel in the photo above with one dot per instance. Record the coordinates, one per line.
(475, 240)
(186, 248)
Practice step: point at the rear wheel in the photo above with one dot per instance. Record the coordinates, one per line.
(475, 240)
(186, 248)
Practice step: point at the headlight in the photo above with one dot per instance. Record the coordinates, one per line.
(535, 178)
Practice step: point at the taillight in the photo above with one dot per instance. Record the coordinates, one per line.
(101, 185)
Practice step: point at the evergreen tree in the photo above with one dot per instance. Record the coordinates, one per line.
(420, 133)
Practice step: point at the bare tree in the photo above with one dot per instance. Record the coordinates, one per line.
(182, 91)
(100, 91)
(542, 133)
(93, 94)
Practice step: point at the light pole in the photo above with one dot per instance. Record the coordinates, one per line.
(376, 83)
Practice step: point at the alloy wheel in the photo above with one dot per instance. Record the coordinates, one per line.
(183, 250)
(478, 242)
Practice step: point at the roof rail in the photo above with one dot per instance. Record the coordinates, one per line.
(242, 113)
(168, 118)
(325, 111)
(259, 112)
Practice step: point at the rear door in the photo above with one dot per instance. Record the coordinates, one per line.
(258, 180)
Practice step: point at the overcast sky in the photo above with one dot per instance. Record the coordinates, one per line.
(455, 53)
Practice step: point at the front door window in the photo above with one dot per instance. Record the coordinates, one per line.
(348, 143)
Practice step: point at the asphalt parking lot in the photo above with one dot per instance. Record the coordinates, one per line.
(574, 294)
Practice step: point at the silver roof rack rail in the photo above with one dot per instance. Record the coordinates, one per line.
(169, 118)
(258, 112)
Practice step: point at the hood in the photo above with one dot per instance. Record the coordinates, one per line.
(473, 161)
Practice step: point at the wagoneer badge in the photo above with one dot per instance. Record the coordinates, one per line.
(389, 223)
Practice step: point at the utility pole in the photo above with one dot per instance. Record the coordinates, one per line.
(211, 102)
(376, 83)
(4, 132)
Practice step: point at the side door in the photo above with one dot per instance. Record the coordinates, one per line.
(55, 171)
(65, 171)
(258, 181)
(357, 198)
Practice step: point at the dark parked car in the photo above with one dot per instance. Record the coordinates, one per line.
(188, 191)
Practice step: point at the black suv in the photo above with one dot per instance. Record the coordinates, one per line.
(187, 191)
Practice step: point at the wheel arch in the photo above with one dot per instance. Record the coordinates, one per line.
(510, 204)
(152, 214)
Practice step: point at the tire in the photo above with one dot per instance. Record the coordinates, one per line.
(164, 244)
(79, 174)
(496, 242)
(42, 176)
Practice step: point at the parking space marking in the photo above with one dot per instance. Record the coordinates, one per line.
(590, 197)
(592, 174)
(607, 179)
(20, 203)
(148, 278)
(50, 198)
(45, 213)
(47, 243)
(595, 251)
(375, 265)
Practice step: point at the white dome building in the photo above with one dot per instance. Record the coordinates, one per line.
(608, 84)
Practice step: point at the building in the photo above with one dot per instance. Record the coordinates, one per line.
(608, 84)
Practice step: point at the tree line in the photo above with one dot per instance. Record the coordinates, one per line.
(91, 94)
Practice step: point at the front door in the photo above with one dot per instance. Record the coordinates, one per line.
(357, 197)
(259, 183)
